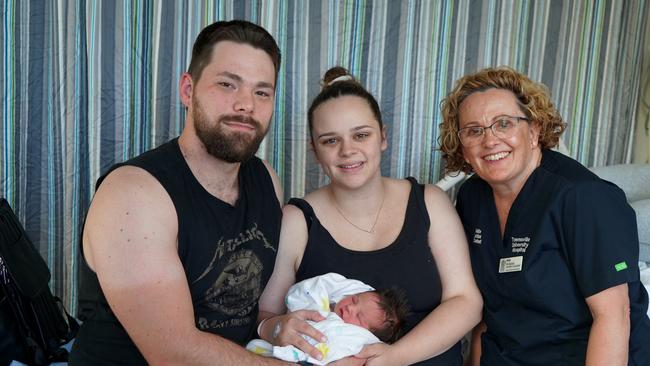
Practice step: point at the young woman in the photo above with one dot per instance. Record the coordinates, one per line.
(385, 232)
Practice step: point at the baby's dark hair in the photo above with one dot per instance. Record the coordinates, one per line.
(394, 304)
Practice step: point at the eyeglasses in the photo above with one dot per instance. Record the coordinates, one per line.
(503, 127)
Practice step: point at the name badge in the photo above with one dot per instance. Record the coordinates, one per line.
(511, 264)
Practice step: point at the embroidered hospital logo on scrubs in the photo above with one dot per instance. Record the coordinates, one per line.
(519, 245)
(477, 236)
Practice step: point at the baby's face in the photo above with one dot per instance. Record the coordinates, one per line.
(361, 309)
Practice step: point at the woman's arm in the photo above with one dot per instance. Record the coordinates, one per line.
(460, 309)
(610, 331)
(474, 358)
(282, 330)
(601, 227)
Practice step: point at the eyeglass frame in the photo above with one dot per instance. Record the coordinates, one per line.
(491, 127)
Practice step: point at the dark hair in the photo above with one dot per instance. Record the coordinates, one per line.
(533, 98)
(394, 304)
(238, 31)
(345, 85)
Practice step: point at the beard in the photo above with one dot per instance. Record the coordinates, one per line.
(235, 147)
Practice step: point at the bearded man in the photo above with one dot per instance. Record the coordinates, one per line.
(180, 241)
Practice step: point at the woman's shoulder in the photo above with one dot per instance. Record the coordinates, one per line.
(402, 188)
(407, 183)
(431, 191)
(308, 206)
(397, 193)
(317, 197)
(435, 199)
(399, 186)
(565, 168)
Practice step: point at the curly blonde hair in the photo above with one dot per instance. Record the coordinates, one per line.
(533, 99)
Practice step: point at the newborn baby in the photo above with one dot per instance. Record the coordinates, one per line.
(355, 315)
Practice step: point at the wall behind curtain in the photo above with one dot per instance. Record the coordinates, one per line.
(86, 84)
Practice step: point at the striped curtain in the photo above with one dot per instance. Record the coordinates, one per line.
(86, 84)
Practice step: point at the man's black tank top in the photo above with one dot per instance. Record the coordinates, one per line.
(407, 263)
(228, 253)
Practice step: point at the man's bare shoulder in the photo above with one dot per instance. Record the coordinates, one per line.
(131, 185)
(130, 208)
(128, 175)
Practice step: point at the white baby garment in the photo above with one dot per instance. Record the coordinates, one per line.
(317, 293)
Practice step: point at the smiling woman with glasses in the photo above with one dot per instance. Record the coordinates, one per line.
(554, 249)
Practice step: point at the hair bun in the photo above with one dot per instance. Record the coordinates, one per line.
(336, 74)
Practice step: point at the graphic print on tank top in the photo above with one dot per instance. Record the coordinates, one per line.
(238, 272)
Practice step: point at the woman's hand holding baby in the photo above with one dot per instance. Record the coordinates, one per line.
(371, 355)
(379, 354)
(349, 361)
(288, 329)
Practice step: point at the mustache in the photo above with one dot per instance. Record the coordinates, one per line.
(241, 119)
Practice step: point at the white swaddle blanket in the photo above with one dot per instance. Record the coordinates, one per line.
(317, 293)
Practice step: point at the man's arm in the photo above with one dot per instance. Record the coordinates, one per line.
(610, 331)
(130, 241)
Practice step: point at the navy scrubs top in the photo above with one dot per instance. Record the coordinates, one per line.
(569, 235)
